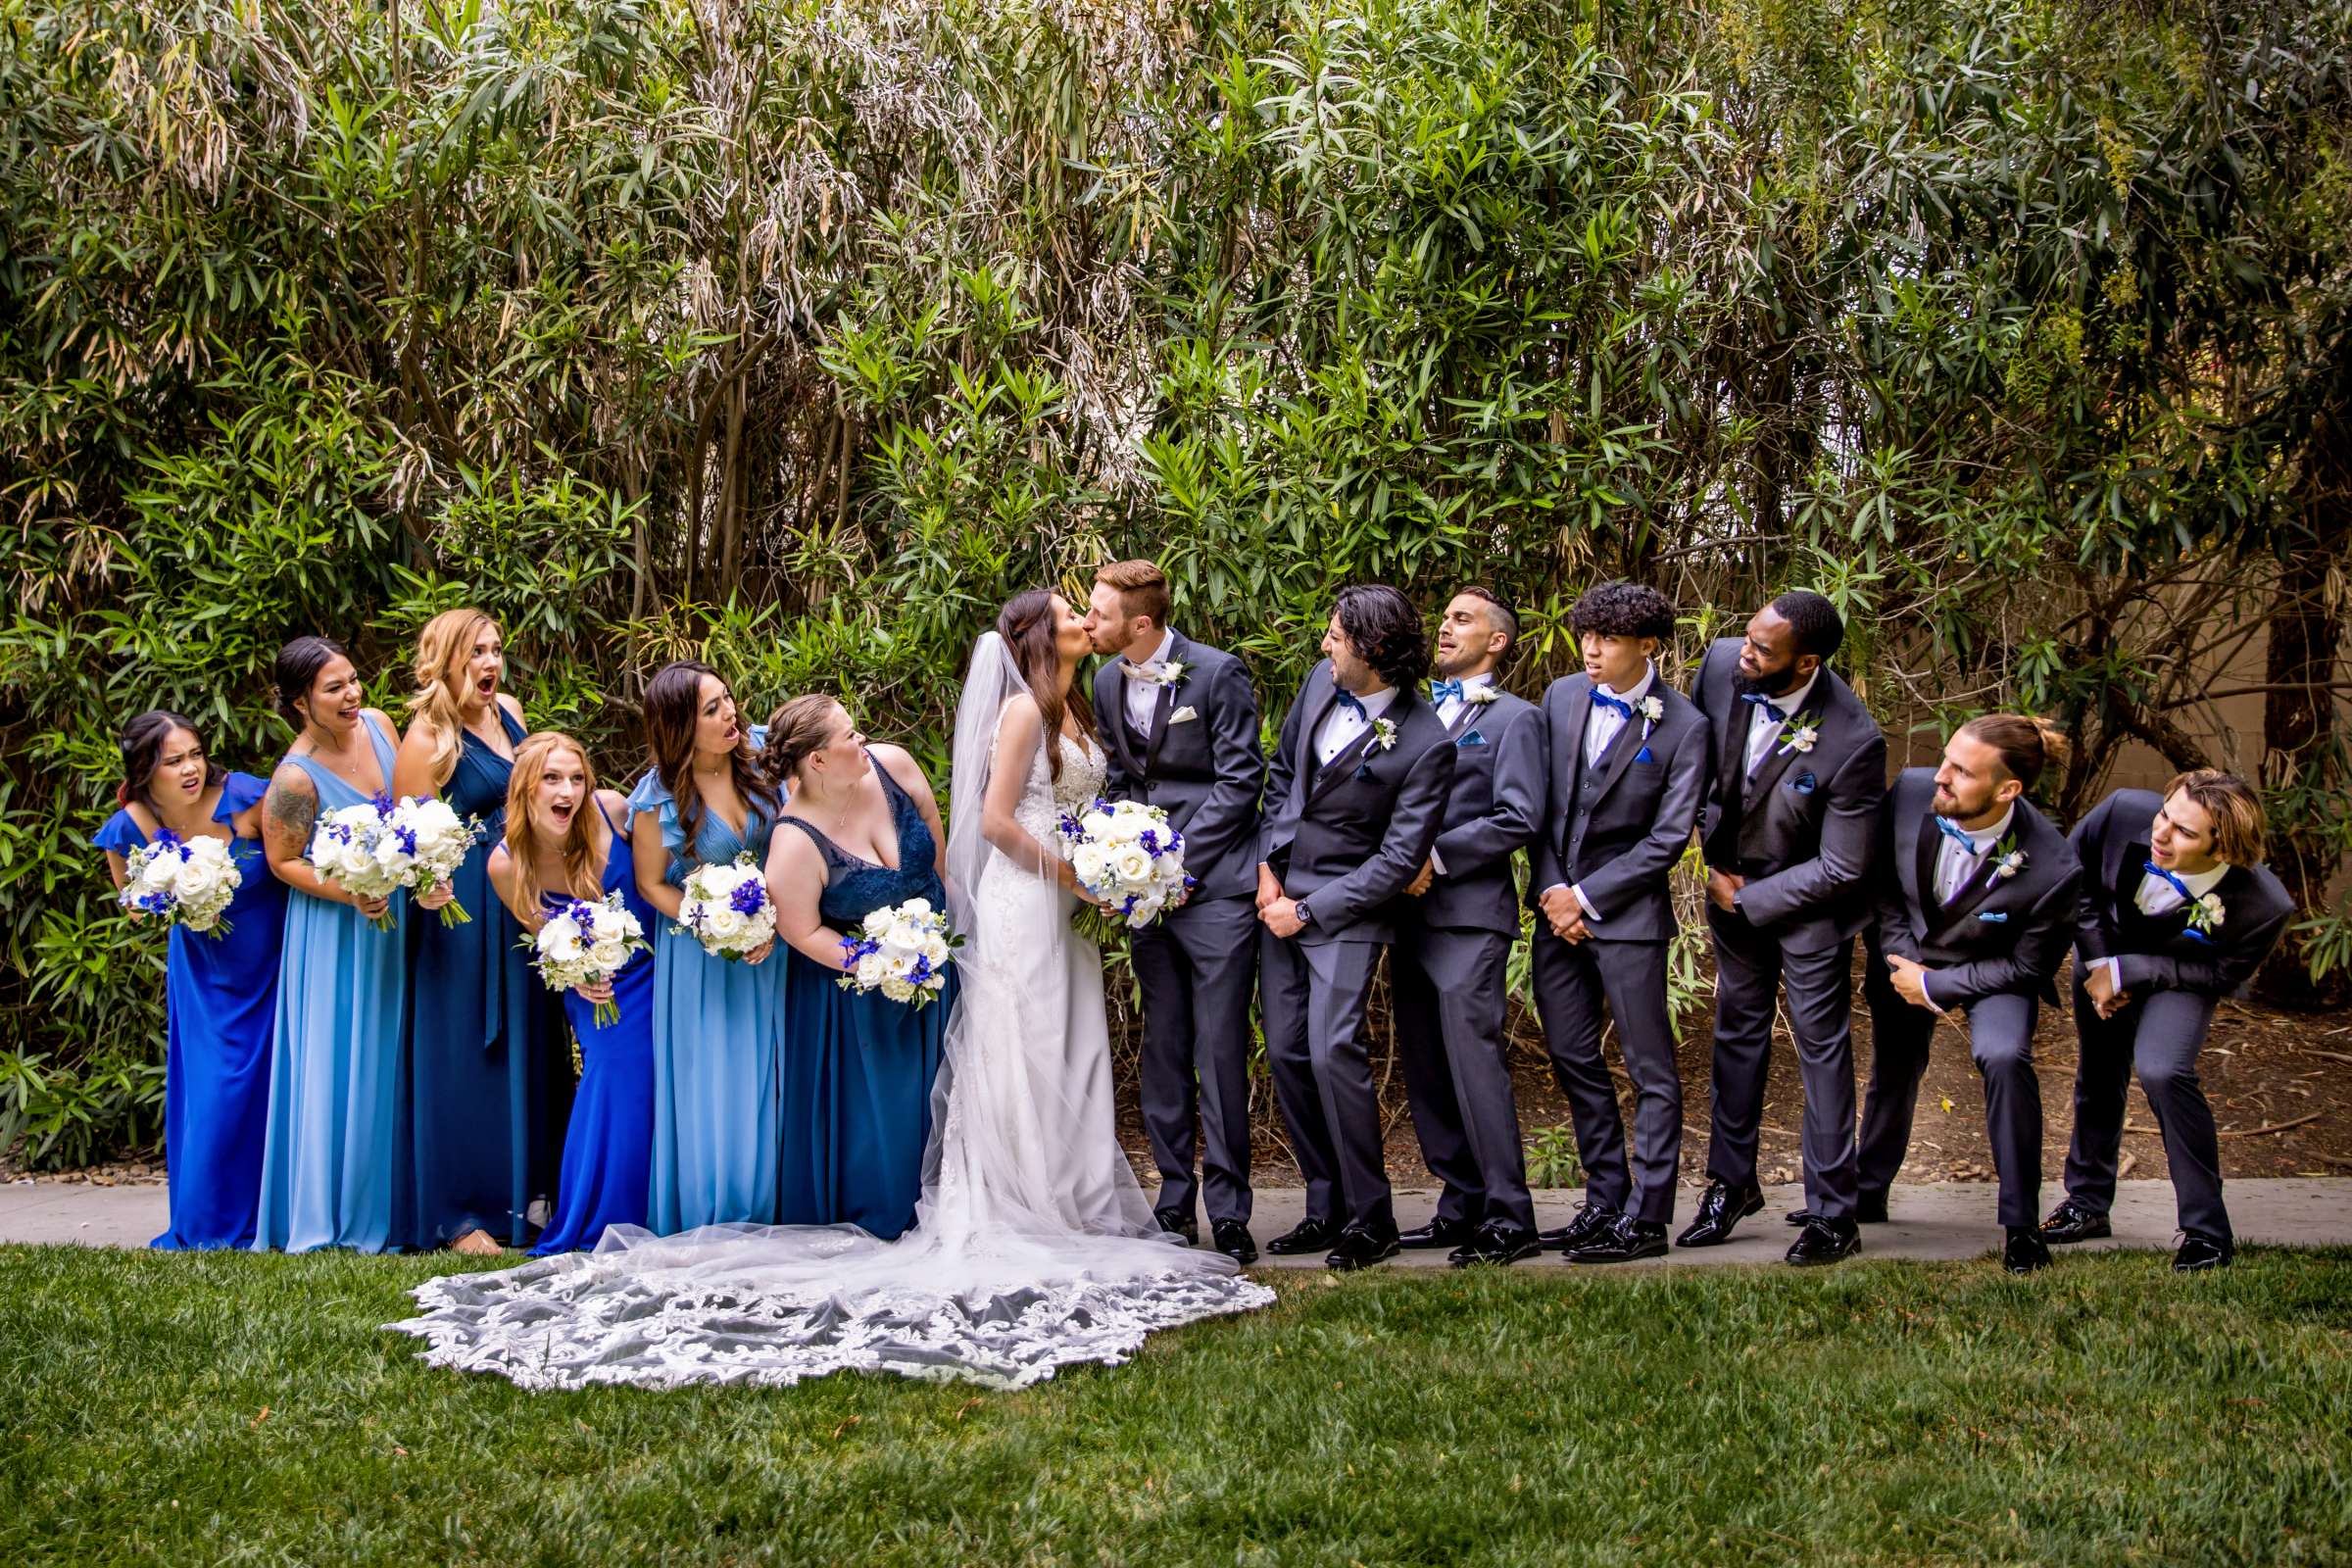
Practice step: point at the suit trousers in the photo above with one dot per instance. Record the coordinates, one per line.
(1572, 981)
(2158, 1036)
(1750, 970)
(1450, 992)
(1196, 968)
(2000, 1040)
(1313, 996)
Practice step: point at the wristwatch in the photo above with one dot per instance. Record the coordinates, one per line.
(1307, 916)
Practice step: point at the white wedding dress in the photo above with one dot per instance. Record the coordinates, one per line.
(1034, 1247)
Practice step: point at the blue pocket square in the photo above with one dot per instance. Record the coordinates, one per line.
(1642, 756)
(2195, 935)
(1363, 770)
(1473, 738)
(1993, 916)
(1804, 783)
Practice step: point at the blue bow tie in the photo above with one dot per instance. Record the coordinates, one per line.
(1958, 834)
(1765, 703)
(2179, 886)
(1441, 690)
(1616, 705)
(1349, 701)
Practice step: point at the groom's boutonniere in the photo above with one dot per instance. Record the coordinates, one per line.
(2205, 915)
(2008, 858)
(1169, 674)
(1800, 734)
(1481, 695)
(1384, 734)
(1651, 708)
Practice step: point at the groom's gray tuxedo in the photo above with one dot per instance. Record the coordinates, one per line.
(1199, 758)
(1345, 839)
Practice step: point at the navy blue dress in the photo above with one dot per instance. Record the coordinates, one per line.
(220, 1003)
(858, 1081)
(490, 1081)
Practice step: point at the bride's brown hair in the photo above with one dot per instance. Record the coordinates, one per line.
(1027, 626)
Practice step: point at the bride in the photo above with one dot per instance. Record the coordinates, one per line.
(1033, 1247)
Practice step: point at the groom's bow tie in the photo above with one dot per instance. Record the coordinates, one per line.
(1147, 670)
(1615, 705)
(1352, 702)
(1443, 690)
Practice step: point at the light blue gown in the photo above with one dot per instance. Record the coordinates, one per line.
(333, 1161)
(718, 1047)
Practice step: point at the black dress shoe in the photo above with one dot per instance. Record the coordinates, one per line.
(1360, 1246)
(1799, 1217)
(1870, 1208)
(1495, 1243)
(2200, 1252)
(1623, 1243)
(1825, 1240)
(1591, 1220)
(1309, 1234)
(2069, 1221)
(1721, 1207)
(1232, 1239)
(1176, 1224)
(2025, 1251)
(1436, 1232)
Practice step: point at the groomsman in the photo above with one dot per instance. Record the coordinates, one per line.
(1788, 830)
(1629, 766)
(1976, 906)
(1353, 803)
(1181, 724)
(1454, 944)
(2177, 912)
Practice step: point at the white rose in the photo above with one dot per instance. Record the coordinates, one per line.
(1095, 824)
(723, 922)
(1131, 864)
(876, 922)
(197, 879)
(609, 954)
(1090, 862)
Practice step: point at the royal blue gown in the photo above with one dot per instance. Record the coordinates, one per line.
(608, 1148)
(332, 1162)
(858, 1082)
(219, 1000)
(718, 1047)
(490, 1080)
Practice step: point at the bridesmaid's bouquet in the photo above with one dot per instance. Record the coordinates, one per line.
(1125, 854)
(902, 952)
(431, 841)
(725, 908)
(186, 882)
(352, 847)
(586, 943)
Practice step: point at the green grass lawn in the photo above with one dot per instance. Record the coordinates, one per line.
(195, 1410)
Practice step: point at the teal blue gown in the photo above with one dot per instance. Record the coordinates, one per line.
(718, 1047)
(332, 1165)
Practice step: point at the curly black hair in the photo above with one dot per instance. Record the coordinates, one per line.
(1386, 632)
(1820, 630)
(1622, 610)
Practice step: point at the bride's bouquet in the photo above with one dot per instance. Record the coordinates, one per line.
(352, 847)
(586, 943)
(1126, 855)
(725, 908)
(185, 882)
(430, 841)
(902, 951)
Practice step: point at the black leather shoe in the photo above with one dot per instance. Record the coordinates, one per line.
(2200, 1252)
(1360, 1246)
(1495, 1243)
(1176, 1224)
(1799, 1217)
(1623, 1243)
(1721, 1207)
(2025, 1250)
(1309, 1234)
(1870, 1208)
(2069, 1221)
(1591, 1220)
(1232, 1239)
(1825, 1240)
(1436, 1233)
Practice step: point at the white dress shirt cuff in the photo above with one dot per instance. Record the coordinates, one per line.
(1437, 863)
(1591, 915)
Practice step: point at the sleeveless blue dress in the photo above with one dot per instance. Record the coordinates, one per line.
(332, 1163)
(609, 1148)
(221, 1001)
(489, 1073)
(718, 1045)
(858, 1083)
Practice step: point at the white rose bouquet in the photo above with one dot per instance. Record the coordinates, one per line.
(725, 908)
(1126, 855)
(586, 943)
(185, 882)
(431, 841)
(350, 848)
(902, 952)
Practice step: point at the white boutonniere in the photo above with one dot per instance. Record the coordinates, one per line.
(2010, 863)
(2205, 914)
(1651, 708)
(1169, 674)
(1384, 734)
(1183, 715)
(1481, 695)
(1799, 735)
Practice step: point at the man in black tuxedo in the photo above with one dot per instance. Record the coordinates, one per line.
(2177, 912)
(1180, 722)
(1629, 765)
(1453, 944)
(1788, 830)
(1355, 800)
(1976, 907)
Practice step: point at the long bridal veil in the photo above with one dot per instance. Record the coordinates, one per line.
(1033, 1247)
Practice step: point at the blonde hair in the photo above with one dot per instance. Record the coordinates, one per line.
(797, 729)
(446, 643)
(531, 761)
(2241, 827)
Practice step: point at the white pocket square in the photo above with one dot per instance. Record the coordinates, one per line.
(1183, 715)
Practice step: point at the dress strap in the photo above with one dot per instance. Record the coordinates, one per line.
(834, 855)
(383, 748)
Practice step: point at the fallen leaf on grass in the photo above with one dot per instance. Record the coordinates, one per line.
(259, 1419)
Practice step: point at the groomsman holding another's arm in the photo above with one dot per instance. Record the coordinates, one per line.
(1181, 725)
(1453, 944)
(1788, 829)
(2176, 913)
(1354, 802)
(1975, 904)
(1628, 767)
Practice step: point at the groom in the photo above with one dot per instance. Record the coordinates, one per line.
(1353, 805)
(1180, 722)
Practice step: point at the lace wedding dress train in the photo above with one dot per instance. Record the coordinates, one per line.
(1034, 1248)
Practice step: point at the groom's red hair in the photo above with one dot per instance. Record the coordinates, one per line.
(1142, 588)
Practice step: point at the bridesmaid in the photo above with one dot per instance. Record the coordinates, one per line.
(564, 842)
(718, 1023)
(489, 1075)
(220, 987)
(857, 1086)
(331, 1163)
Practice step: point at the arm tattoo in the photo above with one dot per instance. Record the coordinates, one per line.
(291, 811)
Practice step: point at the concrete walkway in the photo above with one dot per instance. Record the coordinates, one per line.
(1947, 1220)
